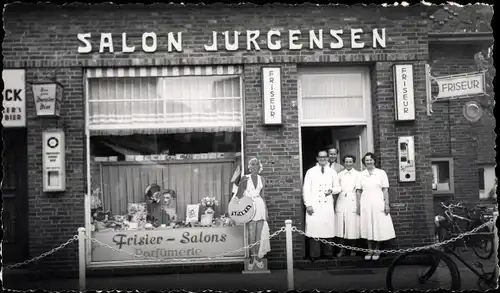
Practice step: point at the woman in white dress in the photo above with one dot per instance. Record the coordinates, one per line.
(346, 219)
(372, 192)
(253, 186)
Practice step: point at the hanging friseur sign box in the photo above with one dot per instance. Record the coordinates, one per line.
(404, 92)
(48, 98)
(271, 95)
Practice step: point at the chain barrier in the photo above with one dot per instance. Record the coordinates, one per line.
(281, 230)
(45, 254)
(396, 251)
(177, 260)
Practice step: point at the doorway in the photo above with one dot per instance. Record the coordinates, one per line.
(350, 140)
(15, 195)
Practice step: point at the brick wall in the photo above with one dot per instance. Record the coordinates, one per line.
(412, 222)
(55, 217)
(44, 40)
(468, 143)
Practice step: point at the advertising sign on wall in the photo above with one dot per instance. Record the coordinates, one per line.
(14, 98)
(48, 99)
(404, 92)
(181, 243)
(460, 85)
(271, 92)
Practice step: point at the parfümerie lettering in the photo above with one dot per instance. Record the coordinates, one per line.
(333, 38)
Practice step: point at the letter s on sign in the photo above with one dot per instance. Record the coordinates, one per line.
(83, 38)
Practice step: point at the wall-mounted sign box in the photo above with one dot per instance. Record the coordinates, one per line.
(271, 95)
(48, 98)
(460, 85)
(404, 92)
(53, 161)
(14, 98)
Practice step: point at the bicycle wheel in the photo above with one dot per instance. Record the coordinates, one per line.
(482, 244)
(423, 270)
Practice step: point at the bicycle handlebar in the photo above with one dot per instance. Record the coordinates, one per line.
(459, 205)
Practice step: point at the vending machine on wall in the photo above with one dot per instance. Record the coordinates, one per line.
(406, 154)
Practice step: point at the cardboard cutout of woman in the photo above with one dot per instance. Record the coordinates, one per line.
(252, 185)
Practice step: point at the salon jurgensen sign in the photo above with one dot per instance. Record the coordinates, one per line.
(274, 40)
(167, 244)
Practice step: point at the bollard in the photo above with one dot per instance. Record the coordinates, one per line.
(289, 254)
(81, 258)
(495, 240)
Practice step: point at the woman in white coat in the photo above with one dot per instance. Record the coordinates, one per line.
(346, 218)
(320, 185)
(372, 190)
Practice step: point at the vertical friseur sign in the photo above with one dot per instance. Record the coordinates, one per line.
(14, 98)
(404, 92)
(271, 95)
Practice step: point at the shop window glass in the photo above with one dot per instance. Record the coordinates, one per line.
(487, 182)
(182, 133)
(442, 175)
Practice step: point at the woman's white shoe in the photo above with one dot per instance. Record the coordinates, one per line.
(376, 256)
(260, 264)
(368, 256)
(250, 266)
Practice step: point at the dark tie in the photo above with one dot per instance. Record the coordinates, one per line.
(322, 170)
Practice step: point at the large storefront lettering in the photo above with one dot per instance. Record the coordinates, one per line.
(231, 40)
(168, 243)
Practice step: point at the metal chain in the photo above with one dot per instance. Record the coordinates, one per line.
(172, 260)
(397, 251)
(74, 238)
(282, 229)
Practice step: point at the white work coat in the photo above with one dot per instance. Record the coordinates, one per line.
(346, 218)
(321, 223)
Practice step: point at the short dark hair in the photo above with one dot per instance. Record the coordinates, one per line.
(330, 147)
(317, 154)
(371, 155)
(353, 157)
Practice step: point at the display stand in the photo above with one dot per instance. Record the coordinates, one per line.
(255, 269)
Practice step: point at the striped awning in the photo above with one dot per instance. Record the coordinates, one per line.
(163, 71)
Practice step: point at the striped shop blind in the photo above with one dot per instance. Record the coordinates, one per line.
(123, 101)
(163, 71)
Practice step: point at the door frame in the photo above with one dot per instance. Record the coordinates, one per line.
(19, 138)
(367, 100)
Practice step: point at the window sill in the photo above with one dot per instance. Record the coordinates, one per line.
(442, 193)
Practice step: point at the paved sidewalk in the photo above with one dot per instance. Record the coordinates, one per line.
(340, 279)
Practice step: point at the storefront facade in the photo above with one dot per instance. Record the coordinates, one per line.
(149, 98)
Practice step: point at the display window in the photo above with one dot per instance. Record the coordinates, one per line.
(164, 145)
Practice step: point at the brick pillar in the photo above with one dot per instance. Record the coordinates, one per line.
(55, 217)
(278, 149)
(413, 224)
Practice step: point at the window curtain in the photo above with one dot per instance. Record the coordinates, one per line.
(124, 105)
(330, 98)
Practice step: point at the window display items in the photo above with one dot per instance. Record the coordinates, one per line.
(161, 206)
(209, 203)
(192, 213)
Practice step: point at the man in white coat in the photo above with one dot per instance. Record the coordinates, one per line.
(346, 218)
(320, 186)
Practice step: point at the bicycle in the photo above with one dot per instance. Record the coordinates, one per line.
(436, 264)
(481, 242)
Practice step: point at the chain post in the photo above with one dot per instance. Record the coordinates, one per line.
(289, 254)
(81, 258)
